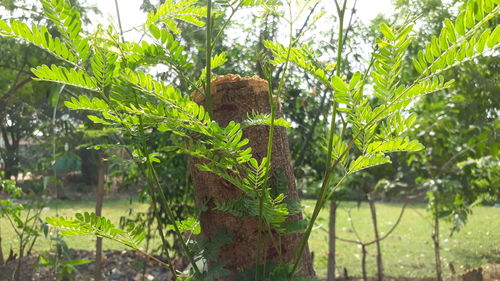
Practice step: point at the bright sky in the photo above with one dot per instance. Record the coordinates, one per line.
(132, 16)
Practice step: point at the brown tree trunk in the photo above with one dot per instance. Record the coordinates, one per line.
(363, 262)
(98, 211)
(437, 251)
(331, 242)
(2, 261)
(234, 98)
(380, 265)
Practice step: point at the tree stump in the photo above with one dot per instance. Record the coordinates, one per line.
(234, 98)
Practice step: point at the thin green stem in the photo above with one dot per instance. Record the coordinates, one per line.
(367, 126)
(164, 201)
(152, 191)
(273, 106)
(119, 21)
(221, 31)
(170, 215)
(328, 171)
(208, 77)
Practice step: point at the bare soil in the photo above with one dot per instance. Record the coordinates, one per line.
(133, 266)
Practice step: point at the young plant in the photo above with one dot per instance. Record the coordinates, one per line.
(24, 222)
(377, 130)
(60, 261)
(124, 97)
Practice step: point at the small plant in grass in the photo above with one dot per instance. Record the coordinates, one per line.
(60, 260)
(25, 221)
(121, 95)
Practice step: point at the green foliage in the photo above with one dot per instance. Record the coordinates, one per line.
(64, 16)
(60, 261)
(10, 187)
(167, 48)
(89, 223)
(274, 211)
(367, 161)
(303, 57)
(462, 40)
(190, 224)
(215, 62)
(39, 36)
(263, 119)
(103, 65)
(208, 250)
(185, 10)
(63, 75)
(377, 130)
(140, 106)
(373, 123)
(394, 145)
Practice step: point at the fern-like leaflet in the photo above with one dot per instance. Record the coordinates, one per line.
(89, 223)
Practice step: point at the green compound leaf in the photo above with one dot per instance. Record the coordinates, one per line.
(367, 161)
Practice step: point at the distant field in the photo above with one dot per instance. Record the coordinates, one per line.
(407, 252)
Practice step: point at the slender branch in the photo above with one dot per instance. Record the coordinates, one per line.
(353, 227)
(310, 135)
(297, 36)
(119, 21)
(273, 104)
(326, 179)
(208, 46)
(13, 89)
(221, 31)
(359, 241)
(349, 26)
(152, 191)
(306, 22)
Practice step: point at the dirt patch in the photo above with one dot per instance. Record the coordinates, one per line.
(117, 265)
(129, 266)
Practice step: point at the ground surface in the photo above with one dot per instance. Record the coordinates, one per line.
(407, 252)
(118, 265)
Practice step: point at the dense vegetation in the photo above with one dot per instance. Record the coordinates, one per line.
(424, 100)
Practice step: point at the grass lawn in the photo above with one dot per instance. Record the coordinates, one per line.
(407, 252)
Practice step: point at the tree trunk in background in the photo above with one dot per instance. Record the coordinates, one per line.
(380, 265)
(98, 211)
(11, 144)
(437, 252)
(234, 98)
(9, 167)
(363, 262)
(331, 242)
(2, 261)
(90, 166)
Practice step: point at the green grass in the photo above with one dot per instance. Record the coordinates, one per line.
(113, 209)
(407, 252)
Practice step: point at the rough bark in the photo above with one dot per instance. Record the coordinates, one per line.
(98, 211)
(331, 242)
(234, 98)
(380, 266)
